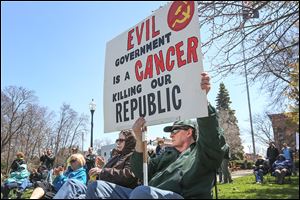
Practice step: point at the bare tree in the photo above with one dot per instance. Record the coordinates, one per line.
(269, 31)
(67, 115)
(275, 75)
(36, 130)
(13, 103)
(44, 132)
(263, 129)
(68, 130)
(30, 128)
(13, 113)
(79, 128)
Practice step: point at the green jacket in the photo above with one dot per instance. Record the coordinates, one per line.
(191, 173)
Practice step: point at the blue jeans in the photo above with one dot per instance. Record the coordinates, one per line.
(25, 184)
(104, 189)
(49, 176)
(6, 187)
(71, 189)
(74, 189)
(259, 175)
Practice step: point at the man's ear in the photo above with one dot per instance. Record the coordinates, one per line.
(190, 132)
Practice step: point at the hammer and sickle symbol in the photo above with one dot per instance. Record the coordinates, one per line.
(186, 14)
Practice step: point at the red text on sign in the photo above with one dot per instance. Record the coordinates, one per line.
(140, 33)
(161, 63)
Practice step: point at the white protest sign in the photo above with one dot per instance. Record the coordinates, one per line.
(153, 70)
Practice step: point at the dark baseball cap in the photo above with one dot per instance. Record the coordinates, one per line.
(179, 124)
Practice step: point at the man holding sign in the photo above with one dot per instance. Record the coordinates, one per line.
(152, 72)
(185, 171)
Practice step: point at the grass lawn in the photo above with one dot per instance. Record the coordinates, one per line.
(26, 195)
(246, 188)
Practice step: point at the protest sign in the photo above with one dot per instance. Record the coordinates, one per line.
(153, 70)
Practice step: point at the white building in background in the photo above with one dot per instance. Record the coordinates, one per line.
(105, 151)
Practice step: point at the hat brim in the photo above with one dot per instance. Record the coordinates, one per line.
(170, 128)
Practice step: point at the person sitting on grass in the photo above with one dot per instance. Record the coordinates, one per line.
(15, 180)
(281, 167)
(17, 162)
(117, 170)
(260, 169)
(37, 175)
(76, 171)
(185, 170)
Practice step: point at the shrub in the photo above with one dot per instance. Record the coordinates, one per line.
(237, 164)
(250, 164)
(242, 164)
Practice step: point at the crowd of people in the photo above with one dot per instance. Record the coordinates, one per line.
(278, 163)
(185, 169)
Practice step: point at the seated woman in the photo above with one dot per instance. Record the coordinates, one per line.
(281, 167)
(39, 175)
(260, 169)
(116, 170)
(17, 162)
(15, 180)
(75, 171)
(36, 175)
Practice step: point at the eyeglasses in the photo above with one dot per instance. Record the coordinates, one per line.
(73, 160)
(120, 140)
(174, 131)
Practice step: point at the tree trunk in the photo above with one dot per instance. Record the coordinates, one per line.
(8, 157)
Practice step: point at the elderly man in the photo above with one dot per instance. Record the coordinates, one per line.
(186, 170)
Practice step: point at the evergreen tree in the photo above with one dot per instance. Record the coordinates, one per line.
(223, 99)
(228, 122)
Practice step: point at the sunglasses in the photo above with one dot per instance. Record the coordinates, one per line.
(176, 130)
(120, 140)
(73, 160)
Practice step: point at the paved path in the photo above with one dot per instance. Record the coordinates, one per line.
(241, 173)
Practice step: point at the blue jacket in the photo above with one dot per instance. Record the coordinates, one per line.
(79, 174)
(19, 176)
(280, 164)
